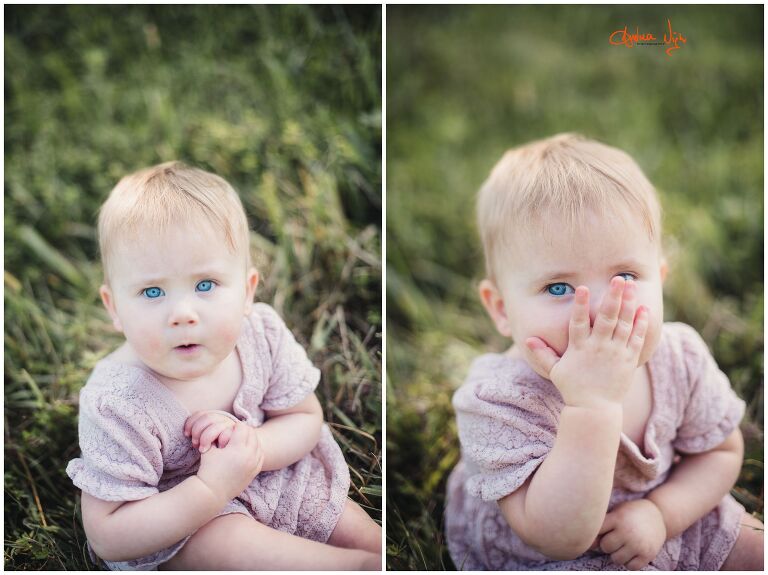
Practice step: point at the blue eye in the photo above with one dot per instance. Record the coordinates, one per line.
(627, 276)
(205, 285)
(152, 292)
(559, 289)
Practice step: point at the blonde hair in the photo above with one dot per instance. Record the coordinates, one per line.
(169, 194)
(564, 175)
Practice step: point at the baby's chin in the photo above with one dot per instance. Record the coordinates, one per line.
(177, 374)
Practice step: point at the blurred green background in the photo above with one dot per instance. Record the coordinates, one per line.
(284, 103)
(466, 83)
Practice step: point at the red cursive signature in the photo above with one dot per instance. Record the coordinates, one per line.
(623, 37)
(673, 39)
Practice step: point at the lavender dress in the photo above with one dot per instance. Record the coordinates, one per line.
(507, 418)
(133, 444)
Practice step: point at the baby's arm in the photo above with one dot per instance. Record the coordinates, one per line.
(120, 531)
(286, 436)
(289, 434)
(561, 508)
(698, 483)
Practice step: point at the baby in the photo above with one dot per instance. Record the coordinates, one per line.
(571, 438)
(203, 444)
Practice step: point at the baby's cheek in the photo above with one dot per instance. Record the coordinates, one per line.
(560, 342)
(227, 332)
(147, 342)
(554, 331)
(652, 337)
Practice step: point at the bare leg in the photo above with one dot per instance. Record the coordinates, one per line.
(747, 553)
(356, 530)
(236, 542)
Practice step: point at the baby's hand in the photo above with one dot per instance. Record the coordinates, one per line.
(229, 470)
(207, 427)
(632, 534)
(600, 361)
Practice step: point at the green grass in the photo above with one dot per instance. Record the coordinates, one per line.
(283, 102)
(463, 85)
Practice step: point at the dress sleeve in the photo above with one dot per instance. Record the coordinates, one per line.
(712, 409)
(121, 456)
(506, 429)
(293, 377)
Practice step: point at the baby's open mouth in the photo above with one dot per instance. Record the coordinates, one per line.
(187, 347)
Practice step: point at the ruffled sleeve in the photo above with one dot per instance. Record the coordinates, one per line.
(292, 377)
(712, 410)
(507, 419)
(121, 456)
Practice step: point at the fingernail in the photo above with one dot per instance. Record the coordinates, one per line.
(203, 449)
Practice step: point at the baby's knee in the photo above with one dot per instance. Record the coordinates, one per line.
(747, 553)
(356, 530)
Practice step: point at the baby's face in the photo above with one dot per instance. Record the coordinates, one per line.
(180, 299)
(541, 273)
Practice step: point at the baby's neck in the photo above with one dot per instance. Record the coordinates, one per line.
(226, 371)
(215, 390)
(126, 354)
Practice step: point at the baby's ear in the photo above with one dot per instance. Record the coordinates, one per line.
(109, 302)
(251, 281)
(494, 305)
(664, 269)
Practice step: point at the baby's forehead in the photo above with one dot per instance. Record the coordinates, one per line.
(152, 236)
(589, 239)
(153, 249)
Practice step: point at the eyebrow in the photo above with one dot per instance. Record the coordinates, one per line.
(564, 275)
(152, 280)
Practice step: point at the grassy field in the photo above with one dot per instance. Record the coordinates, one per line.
(463, 85)
(283, 102)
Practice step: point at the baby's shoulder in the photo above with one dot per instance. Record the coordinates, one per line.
(681, 347)
(503, 381)
(264, 322)
(118, 387)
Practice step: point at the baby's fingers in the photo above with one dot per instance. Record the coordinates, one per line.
(578, 328)
(627, 314)
(225, 436)
(544, 357)
(201, 423)
(640, 329)
(209, 435)
(190, 422)
(605, 321)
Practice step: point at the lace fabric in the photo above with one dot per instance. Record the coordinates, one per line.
(133, 445)
(507, 419)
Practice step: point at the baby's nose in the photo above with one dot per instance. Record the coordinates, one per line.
(183, 314)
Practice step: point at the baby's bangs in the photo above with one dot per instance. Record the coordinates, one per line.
(159, 208)
(566, 193)
(555, 184)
